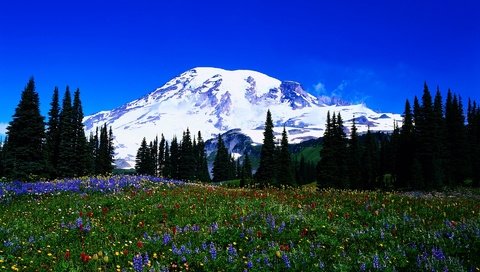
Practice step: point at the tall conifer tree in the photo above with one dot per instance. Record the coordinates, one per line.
(25, 158)
(266, 170)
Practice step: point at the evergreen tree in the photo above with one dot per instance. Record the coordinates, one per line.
(105, 151)
(143, 159)
(332, 167)
(53, 135)
(167, 167)
(246, 172)
(187, 163)
(201, 159)
(161, 157)
(80, 141)
(25, 158)
(67, 125)
(265, 174)
(174, 158)
(285, 176)
(154, 156)
(221, 162)
(354, 155)
(370, 160)
(406, 150)
(326, 168)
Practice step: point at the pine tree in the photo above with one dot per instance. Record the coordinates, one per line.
(265, 174)
(187, 160)
(201, 159)
(105, 151)
(167, 167)
(161, 157)
(246, 172)
(285, 176)
(53, 135)
(24, 157)
(174, 158)
(326, 168)
(143, 158)
(221, 162)
(154, 156)
(406, 150)
(67, 153)
(354, 154)
(370, 160)
(80, 141)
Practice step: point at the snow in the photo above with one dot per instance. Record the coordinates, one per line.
(194, 100)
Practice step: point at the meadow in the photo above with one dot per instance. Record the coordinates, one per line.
(135, 223)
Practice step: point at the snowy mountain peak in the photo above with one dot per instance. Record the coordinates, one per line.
(214, 100)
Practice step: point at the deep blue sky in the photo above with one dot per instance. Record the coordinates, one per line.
(379, 52)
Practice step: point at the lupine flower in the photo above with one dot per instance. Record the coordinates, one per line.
(286, 261)
(213, 251)
(166, 238)
(376, 262)
(138, 263)
(438, 254)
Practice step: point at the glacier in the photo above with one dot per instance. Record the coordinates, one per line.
(214, 100)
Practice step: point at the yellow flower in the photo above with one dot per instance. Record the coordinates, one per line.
(105, 259)
(95, 257)
(279, 255)
(100, 254)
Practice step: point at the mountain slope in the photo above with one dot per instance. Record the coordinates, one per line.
(213, 101)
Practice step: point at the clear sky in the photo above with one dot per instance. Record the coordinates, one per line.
(377, 52)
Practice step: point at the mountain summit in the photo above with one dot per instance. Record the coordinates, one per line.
(213, 100)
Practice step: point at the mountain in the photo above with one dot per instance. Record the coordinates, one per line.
(213, 100)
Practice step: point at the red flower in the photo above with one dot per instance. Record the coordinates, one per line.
(90, 214)
(259, 234)
(141, 224)
(304, 232)
(125, 252)
(139, 244)
(284, 247)
(67, 255)
(174, 230)
(85, 257)
(104, 210)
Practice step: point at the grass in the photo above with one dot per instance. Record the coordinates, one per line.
(149, 224)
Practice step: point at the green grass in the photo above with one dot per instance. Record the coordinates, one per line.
(223, 229)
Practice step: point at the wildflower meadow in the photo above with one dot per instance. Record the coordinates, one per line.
(141, 223)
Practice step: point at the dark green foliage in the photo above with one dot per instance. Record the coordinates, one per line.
(161, 157)
(104, 152)
(80, 145)
(201, 160)
(370, 162)
(67, 138)
(24, 148)
(143, 160)
(265, 174)
(53, 135)
(332, 167)
(187, 167)
(284, 174)
(174, 159)
(221, 167)
(354, 156)
(246, 171)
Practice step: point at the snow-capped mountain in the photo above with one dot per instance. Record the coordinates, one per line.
(213, 101)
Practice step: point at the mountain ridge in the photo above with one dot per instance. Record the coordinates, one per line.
(214, 100)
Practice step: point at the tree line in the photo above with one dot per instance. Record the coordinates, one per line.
(436, 146)
(34, 149)
(184, 160)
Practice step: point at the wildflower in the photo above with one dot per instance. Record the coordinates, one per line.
(213, 251)
(166, 238)
(249, 265)
(138, 263)
(363, 267)
(438, 254)
(376, 262)
(67, 255)
(286, 261)
(139, 244)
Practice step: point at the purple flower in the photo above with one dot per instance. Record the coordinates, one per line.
(166, 238)
(376, 262)
(438, 254)
(138, 263)
(213, 251)
(286, 261)
(363, 267)
(249, 265)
